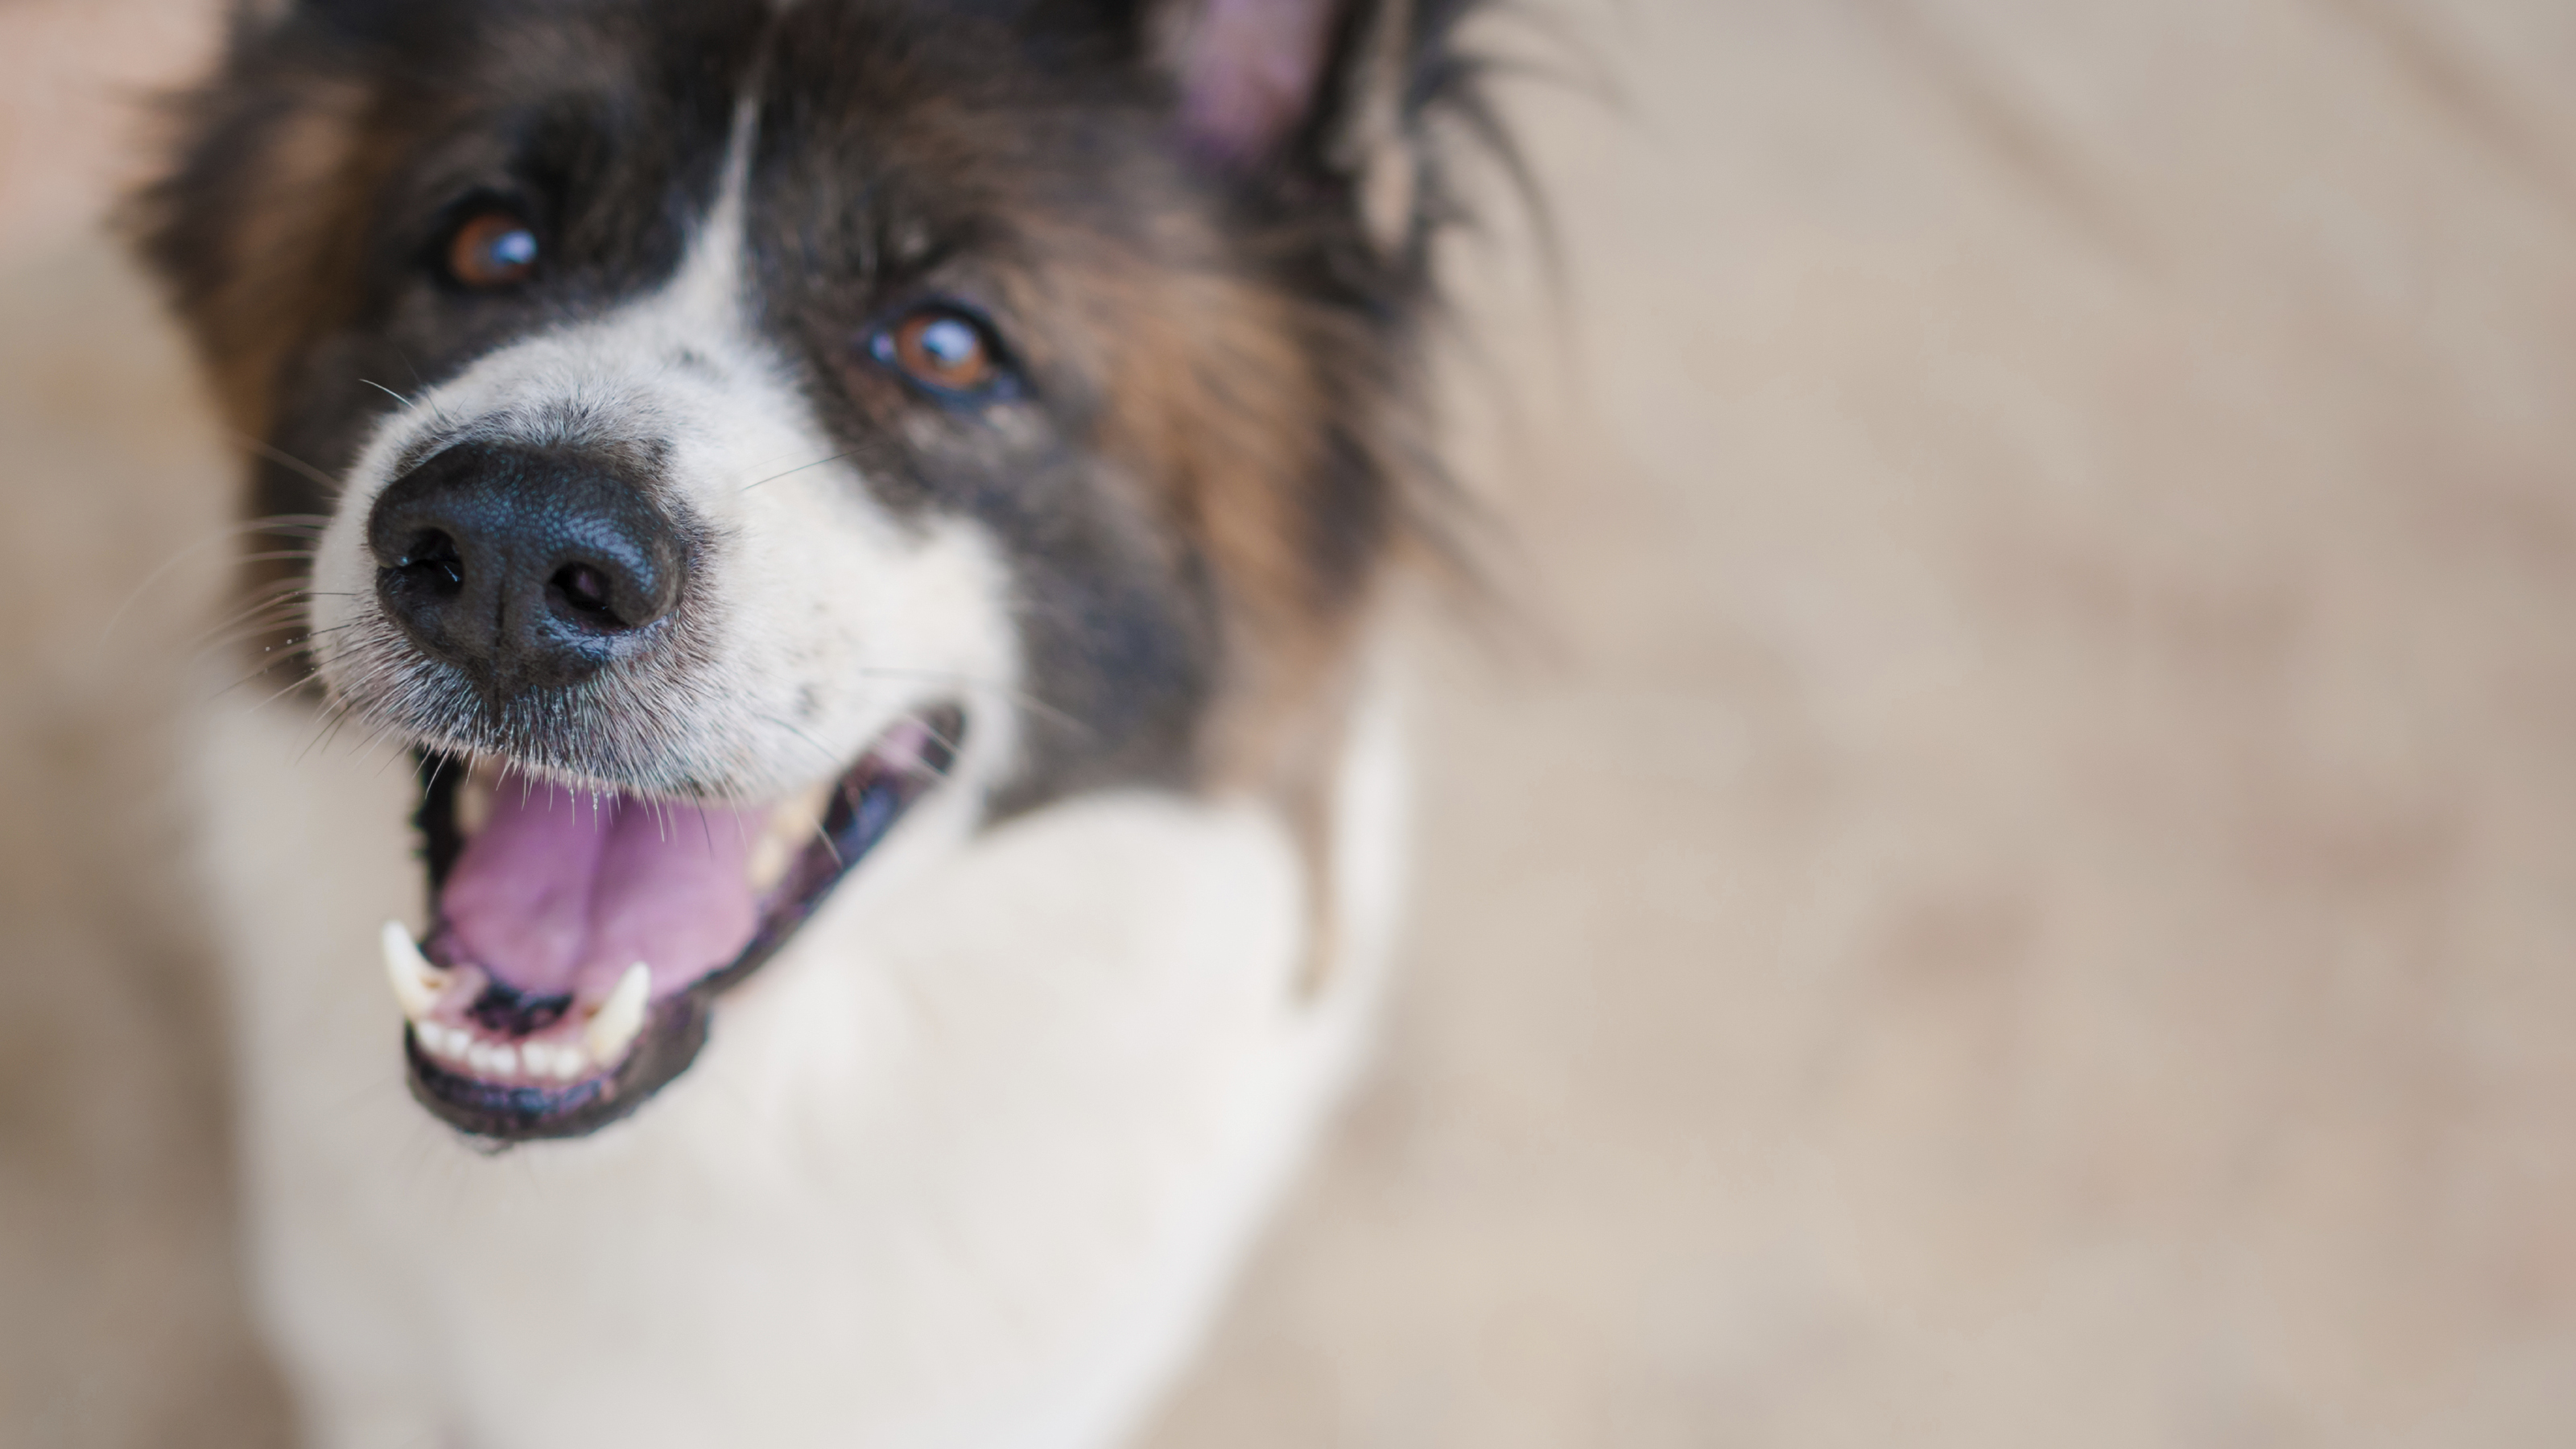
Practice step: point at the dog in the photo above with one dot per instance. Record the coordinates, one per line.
(851, 538)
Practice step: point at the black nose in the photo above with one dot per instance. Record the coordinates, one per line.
(523, 568)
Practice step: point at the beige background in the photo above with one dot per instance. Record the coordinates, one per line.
(2018, 888)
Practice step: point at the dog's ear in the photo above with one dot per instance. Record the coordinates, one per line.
(365, 19)
(1267, 89)
(1250, 73)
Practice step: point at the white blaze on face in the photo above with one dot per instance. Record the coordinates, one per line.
(823, 616)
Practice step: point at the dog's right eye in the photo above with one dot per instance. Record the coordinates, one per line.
(492, 249)
(943, 349)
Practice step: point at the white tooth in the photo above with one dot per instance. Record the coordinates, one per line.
(791, 828)
(417, 984)
(473, 803)
(768, 863)
(539, 1057)
(613, 1028)
(505, 1060)
(474, 794)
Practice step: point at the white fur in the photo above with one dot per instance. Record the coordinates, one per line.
(965, 1166)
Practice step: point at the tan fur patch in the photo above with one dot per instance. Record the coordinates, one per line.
(1215, 398)
(1213, 401)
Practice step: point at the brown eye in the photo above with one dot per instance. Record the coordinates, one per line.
(943, 350)
(492, 249)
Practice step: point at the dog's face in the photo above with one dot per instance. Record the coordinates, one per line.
(727, 424)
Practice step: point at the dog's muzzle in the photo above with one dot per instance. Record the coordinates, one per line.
(581, 930)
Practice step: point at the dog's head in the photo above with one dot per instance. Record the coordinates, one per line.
(720, 424)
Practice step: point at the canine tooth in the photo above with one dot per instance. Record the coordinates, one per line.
(417, 984)
(473, 802)
(768, 863)
(790, 826)
(614, 1026)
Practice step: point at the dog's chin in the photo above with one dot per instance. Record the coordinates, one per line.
(511, 1033)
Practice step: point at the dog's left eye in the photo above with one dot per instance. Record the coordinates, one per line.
(943, 349)
(492, 249)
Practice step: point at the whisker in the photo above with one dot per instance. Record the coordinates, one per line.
(389, 392)
(268, 668)
(251, 626)
(1012, 693)
(220, 535)
(288, 460)
(266, 601)
(801, 467)
(322, 738)
(284, 649)
(256, 673)
(812, 743)
(273, 616)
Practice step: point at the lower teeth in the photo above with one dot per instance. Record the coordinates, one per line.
(604, 1041)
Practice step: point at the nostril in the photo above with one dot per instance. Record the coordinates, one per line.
(589, 593)
(432, 554)
(585, 587)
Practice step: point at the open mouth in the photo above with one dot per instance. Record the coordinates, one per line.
(578, 938)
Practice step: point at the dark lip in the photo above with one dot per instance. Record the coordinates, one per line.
(866, 804)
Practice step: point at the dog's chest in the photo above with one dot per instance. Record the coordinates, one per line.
(967, 1167)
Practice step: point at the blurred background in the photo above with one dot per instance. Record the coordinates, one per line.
(2018, 886)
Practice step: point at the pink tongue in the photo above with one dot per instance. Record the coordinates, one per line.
(561, 891)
